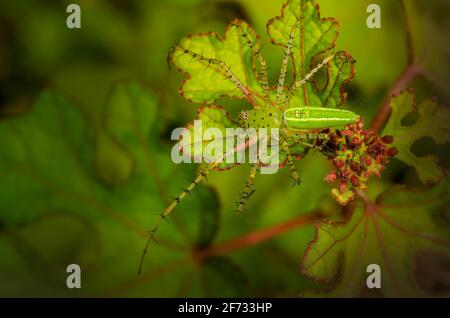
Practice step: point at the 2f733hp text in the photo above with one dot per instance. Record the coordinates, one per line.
(225, 307)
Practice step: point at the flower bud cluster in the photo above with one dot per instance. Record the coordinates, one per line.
(357, 155)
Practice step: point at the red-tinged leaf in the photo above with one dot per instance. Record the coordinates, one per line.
(392, 232)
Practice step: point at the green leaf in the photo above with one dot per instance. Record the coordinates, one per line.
(48, 244)
(209, 82)
(428, 44)
(227, 275)
(211, 117)
(391, 232)
(314, 38)
(85, 191)
(209, 217)
(432, 122)
(232, 66)
(37, 152)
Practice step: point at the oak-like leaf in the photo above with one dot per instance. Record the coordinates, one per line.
(209, 81)
(314, 38)
(432, 122)
(392, 232)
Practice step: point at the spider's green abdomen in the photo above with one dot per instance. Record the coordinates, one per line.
(310, 118)
(261, 118)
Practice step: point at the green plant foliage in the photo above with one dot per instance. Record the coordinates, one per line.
(207, 83)
(315, 37)
(81, 192)
(392, 232)
(211, 117)
(233, 66)
(86, 168)
(239, 50)
(340, 252)
(432, 122)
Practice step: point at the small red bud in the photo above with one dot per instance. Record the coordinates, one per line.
(347, 132)
(368, 162)
(387, 139)
(392, 152)
(355, 167)
(338, 163)
(331, 177)
(344, 148)
(355, 181)
(378, 159)
(342, 186)
(359, 125)
(356, 141)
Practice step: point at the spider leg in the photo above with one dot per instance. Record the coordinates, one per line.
(222, 68)
(290, 161)
(248, 189)
(262, 72)
(203, 173)
(176, 200)
(303, 81)
(284, 66)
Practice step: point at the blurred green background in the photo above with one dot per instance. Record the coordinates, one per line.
(92, 165)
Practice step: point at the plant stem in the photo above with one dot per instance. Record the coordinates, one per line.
(257, 237)
(411, 70)
(408, 74)
(408, 32)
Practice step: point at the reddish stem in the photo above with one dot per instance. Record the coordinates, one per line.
(256, 237)
(408, 74)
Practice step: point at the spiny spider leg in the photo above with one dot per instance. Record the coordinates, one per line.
(164, 215)
(290, 161)
(303, 81)
(223, 69)
(284, 66)
(248, 190)
(262, 73)
(202, 176)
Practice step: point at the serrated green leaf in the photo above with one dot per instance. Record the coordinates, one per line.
(210, 117)
(391, 233)
(314, 38)
(233, 66)
(432, 122)
(208, 82)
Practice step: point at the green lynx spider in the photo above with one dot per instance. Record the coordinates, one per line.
(303, 125)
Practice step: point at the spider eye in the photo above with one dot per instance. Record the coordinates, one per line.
(244, 115)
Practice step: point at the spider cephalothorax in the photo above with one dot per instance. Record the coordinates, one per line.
(268, 117)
